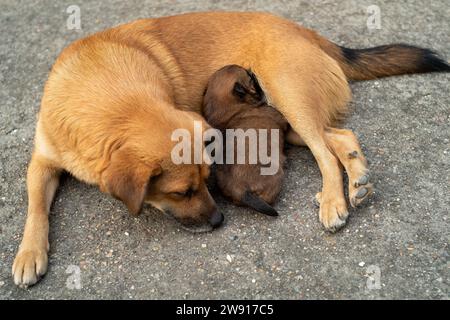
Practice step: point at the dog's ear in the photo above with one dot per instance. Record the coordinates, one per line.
(127, 179)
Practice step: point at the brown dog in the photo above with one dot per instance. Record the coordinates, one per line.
(112, 100)
(234, 100)
(110, 127)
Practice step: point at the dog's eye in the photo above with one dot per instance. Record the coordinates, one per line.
(187, 193)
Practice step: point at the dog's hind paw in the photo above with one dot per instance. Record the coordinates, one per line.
(360, 190)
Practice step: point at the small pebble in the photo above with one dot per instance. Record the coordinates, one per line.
(203, 245)
(362, 264)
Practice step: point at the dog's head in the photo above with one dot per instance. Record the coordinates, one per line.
(230, 91)
(181, 192)
(142, 171)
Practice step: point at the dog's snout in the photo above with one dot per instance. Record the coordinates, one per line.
(216, 219)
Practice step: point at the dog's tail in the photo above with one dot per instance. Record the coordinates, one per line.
(383, 61)
(258, 204)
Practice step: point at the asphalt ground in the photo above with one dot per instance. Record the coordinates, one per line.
(397, 246)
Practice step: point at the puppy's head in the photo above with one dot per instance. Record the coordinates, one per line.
(142, 170)
(230, 91)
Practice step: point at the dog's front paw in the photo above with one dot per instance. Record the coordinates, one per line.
(29, 265)
(333, 212)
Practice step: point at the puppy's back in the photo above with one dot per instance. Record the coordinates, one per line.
(235, 180)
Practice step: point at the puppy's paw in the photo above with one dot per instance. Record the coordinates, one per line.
(29, 266)
(333, 212)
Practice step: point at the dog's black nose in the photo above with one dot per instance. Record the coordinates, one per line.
(216, 219)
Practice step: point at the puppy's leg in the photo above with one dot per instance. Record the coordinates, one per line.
(31, 260)
(346, 147)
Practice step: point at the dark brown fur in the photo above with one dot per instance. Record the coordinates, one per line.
(384, 61)
(234, 100)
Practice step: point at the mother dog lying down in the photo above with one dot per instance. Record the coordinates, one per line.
(113, 99)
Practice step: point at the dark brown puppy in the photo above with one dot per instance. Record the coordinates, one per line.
(234, 100)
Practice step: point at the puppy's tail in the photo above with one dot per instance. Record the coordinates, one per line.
(383, 61)
(258, 204)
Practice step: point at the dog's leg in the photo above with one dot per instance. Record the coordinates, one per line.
(333, 207)
(310, 94)
(293, 138)
(346, 147)
(31, 260)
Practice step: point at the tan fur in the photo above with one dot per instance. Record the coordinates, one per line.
(113, 99)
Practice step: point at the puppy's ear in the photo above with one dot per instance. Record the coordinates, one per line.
(239, 90)
(258, 90)
(255, 202)
(127, 179)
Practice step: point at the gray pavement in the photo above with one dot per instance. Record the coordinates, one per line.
(402, 233)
